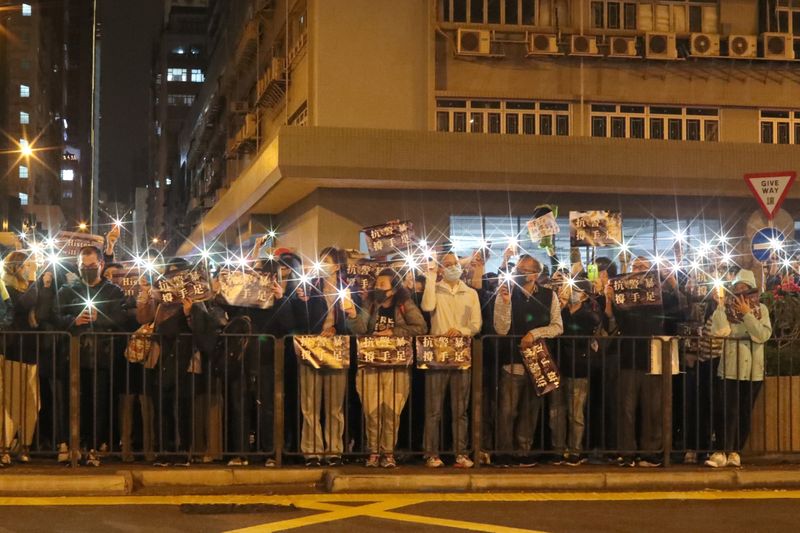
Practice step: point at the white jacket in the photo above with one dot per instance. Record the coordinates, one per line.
(743, 354)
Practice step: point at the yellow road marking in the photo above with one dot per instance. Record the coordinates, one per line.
(445, 522)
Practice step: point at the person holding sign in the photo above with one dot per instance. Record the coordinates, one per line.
(389, 311)
(455, 312)
(319, 310)
(93, 305)
(523, 309)
(745, 322)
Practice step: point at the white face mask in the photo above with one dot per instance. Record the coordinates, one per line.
(326, 270)
(575, 297)
(453, 273)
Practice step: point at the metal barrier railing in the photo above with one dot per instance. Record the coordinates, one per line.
(248, 396)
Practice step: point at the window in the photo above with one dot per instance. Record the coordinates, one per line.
(497, 12)
(655, 122)
(23, 199)
(180, 99)
(67, 194)
(23, 144)
(177, 74)
(23, 172)
(67, 174)
(27, 10)
(613, 15)
(514, 117)
(24, 118)
(680, 16)
(780, 127)
(178, 51)
(786, 18)
(24, 91)
(198, 76)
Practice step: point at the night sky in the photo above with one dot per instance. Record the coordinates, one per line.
(130, 30)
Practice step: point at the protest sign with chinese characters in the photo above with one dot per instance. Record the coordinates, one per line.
(127, 278)
(389, 238)
(377, 351)
(636, 289)
(246, 288)
(452, 353)
(180, 284)
(595, 228)
(361, 275)
(69, 243)
(541, 367)
(323, 352)
(543, 226)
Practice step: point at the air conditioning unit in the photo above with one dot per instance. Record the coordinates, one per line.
(742, 46)
(660, 46)
(474, 42)
(778, 45)
(704, 44)
(583, 45)
(543, 43)
(240, 106)
(622, 47)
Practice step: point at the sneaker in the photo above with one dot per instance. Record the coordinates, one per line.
(626, 461)
(734, 460)
(690, 458)
(236, 461)
(484, 458)
(373, 461)
(92, 459)
(63, 453)
(523, 462)
(574, 460)
(557, 459)
(103, 450)
(434, 462)
(270, 463)
(717, 460)
(334, 460)
(648, 463)
(313, 462)
(462, 461)
(24, 457)
(5, 460)
(207, 459)
(388, 461)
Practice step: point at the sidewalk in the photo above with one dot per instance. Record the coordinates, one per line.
(118, 479)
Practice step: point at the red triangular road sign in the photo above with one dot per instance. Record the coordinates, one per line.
(770, 189)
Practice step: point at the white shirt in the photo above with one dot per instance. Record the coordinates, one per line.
(455, 307)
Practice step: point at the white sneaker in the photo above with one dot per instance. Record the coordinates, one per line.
(63, 453)
(717, 460)
(434, 462)
(734, 459)
(92, 459)
(485, 458)
(462, 461)
(690, 458)
(238, 461)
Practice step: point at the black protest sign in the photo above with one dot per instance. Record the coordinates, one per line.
(246, 288)
(389, 238)
(191, 283)
(379, 351)
(595, 228)
(453, 353)
(323, 352)
(541, 368)
(127, 278)
(362, 274)
(636, 289)
(69, 243)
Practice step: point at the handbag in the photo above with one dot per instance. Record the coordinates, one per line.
(142, 348)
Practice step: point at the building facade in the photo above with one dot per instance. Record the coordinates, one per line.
(45, 58)
(463, 115)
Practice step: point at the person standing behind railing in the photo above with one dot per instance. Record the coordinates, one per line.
(93, 305)
(319, 310)
(384, 391)
(455, 311)
(20, 385)
(746, 324)
(532, 312)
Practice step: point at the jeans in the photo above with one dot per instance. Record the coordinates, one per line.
(436, 383)
(567, 403)
(737, 399)
(519, 412)
(637, 388)
(332, 384)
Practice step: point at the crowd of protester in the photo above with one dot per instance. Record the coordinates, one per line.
(206, 390)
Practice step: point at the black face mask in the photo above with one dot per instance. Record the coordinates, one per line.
(380, 295)
(89, 275)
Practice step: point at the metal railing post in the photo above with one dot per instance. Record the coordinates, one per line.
(477, 398)
(666, 398)
(74, 399)
(278, 398)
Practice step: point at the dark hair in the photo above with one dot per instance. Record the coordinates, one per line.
(604, 264)
(401, 294)
(176, 263)
(89, 250)
(113, 265)
(421, 279)
(525, 257)
(338, 258)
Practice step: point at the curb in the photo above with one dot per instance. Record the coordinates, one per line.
(66, 485)
(223, 477)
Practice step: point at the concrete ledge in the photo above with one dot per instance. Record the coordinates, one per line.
(577, 481)
(666, 480)
(397, 483)
(225, 477)
(773, 478)
(65, 485)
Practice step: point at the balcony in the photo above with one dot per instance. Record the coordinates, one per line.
(271, 87)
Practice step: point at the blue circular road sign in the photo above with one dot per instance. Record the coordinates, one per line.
(766, 242)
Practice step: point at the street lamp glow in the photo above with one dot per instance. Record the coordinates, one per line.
(155, 240)
(83, 226)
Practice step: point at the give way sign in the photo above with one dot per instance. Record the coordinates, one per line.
(770, 189)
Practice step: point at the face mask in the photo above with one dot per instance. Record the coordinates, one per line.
(453, 273)
(325, 270)
(89, 275)
(380, 296)
(575, 298)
